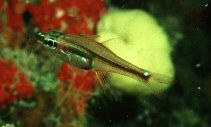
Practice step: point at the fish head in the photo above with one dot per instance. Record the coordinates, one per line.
(48, 39)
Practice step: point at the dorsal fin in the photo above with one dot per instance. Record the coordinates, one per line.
(108, 42)
(89, 36)
(115, 44)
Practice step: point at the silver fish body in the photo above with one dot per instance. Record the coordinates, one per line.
(84, 52)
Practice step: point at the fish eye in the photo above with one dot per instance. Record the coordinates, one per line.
(51, 43)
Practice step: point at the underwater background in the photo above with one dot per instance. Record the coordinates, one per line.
(37, 89)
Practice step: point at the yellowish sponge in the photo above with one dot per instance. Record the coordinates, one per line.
(139, 39)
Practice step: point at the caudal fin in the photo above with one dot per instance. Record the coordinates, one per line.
(158, 83)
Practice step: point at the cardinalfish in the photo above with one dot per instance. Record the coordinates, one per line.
(84, 52)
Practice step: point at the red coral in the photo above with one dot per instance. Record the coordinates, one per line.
(82, 27)
(90, 8)
(13, 22)
(82, 82)
(70, 16)
(67, 15)
(1, 4)
(13, 85)
(44, 15)
(65, 73)
(14, 12)
(7, 71)
(86, 82)
(23, 87)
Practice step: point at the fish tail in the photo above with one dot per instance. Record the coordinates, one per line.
(157, 83)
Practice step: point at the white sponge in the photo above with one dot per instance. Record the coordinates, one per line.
(140, 40)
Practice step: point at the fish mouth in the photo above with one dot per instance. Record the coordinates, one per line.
(40, 36)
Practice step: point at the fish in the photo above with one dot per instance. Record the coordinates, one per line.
(83, 51)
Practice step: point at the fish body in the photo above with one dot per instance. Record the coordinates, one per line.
(84, 52)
